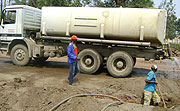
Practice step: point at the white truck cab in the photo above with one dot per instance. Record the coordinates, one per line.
(17, 22)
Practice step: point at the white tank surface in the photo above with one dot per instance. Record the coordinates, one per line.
(129, 24)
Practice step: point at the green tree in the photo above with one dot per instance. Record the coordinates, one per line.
(95, 3)
(140, 4)
(178, 27)
(33, 3)
(52, 3)
(110, 3)
(1, 5)
(129, 3)
(20, 2)
(171, 18)
(66, 3)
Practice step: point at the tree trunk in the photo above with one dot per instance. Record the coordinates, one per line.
(4, 3)
(1, 5)
(9, 2)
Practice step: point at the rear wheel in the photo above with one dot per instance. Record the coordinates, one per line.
(19, 55)
(90, 61)
(120, 64)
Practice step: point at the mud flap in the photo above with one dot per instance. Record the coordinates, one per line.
(1, 47)
(167, 51)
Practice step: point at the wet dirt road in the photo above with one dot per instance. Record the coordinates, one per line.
(38, 87)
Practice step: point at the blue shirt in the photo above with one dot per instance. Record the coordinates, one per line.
(150, 86)
(71, 55)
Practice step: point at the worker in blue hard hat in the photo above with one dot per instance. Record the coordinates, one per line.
(72, 59)
(149, 89)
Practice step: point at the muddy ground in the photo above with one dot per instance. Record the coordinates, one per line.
(39, 87)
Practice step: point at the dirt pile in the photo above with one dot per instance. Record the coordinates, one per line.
(40, 87)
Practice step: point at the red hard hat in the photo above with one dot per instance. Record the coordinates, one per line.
(74, 37)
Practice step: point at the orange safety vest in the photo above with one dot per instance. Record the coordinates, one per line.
(75, 50)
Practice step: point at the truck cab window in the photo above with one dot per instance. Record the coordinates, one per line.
(9, 17)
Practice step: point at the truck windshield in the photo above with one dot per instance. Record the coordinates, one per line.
(9, 17)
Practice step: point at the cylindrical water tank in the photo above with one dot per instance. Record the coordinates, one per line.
(129, 24)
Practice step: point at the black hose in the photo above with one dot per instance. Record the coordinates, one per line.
(83, 95)
(118, 102)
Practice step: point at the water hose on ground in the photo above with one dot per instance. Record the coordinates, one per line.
(119, 103)
(83, 95)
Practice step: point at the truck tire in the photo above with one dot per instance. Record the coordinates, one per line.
(90, 61)
(40, 59)
(120, 64)
(19, 55)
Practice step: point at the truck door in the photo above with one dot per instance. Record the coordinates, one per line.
(8, 25)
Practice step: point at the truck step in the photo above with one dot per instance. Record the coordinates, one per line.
(4, 49)
(4, 42)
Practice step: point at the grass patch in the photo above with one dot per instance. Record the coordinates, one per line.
(175, 46)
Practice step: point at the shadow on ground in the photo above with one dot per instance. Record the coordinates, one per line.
(49, 64)
(137, 72)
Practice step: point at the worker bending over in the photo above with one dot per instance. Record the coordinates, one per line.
(149, 89)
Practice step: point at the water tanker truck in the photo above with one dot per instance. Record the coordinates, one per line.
(114, 37)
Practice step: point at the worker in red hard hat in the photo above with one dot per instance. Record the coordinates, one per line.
(72, 59)
(74, 37)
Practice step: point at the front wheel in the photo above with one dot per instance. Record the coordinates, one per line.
(120, 64)
(19, 55)
(90, 61)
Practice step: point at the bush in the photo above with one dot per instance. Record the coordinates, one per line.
(175, 46)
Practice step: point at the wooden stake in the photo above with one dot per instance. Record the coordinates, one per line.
(161, 95)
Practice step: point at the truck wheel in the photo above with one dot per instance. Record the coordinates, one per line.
(19, 55)
(40, 59)
(90, 61)
(120, 64)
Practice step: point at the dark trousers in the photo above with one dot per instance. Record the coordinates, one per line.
(73, 70)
